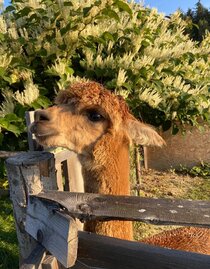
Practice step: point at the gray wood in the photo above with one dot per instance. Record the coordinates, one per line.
(59, 176)
(68, 167)
(157, 211)
(72, 170)
(50, 262)
(62, 155)
(6, 154)
(105, 252)
(33, 145)
(74, 173)
(81, 265)
(35, 258)
(28, 173)
(138, 169)
(55, 231)
(145, 157)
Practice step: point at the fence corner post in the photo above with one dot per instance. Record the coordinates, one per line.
(28, 173)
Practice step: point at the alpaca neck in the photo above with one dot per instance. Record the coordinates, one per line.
(107, 170)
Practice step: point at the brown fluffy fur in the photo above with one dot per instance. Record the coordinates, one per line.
(102, 146)
(186, 238)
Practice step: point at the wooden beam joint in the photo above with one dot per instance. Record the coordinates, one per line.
(56, 231)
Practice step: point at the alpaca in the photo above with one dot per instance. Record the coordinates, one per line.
(97, 125)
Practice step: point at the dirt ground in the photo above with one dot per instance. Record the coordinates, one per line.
(169, 185)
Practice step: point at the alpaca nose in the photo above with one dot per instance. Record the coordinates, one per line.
(42, 115)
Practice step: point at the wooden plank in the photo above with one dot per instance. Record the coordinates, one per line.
(6, 154)
(105, 252)
(35, 258)
(50, 262)
(55, 231)
(33, 145)
(73, 171)
(157, 211)
(81, 265)
(145, 157)
(62, 155)
(67, 179)
(59, 176)
(28, 173)
(137, 168)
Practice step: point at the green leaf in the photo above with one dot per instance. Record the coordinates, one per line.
(41, 102)
(128, 86)
(1, 138)
(86, 10)
(206, 116)
(2, 71)
(16, 130)
(62, 47)
(65, 29)
(108, 36)
(111, 14)
(142, 14)
(6, 123)
(20, 110)
(69, 70)
(8, 79)
(42, 52)
(22, 40)
(68, 4)
(145, 43)
(10, 8)
(124, 6)
(175, 129)
(25, 11)
(158, 84)
(2, 37)
(12, 118)
(143, 72)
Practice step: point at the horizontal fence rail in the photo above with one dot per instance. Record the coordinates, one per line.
(87, 206)
(50, 220)
(48, 233)
(110, 253)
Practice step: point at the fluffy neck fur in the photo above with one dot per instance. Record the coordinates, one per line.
(106, 171)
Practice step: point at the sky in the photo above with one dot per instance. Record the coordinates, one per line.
(166, 6)
(6, 2)
(169, 7)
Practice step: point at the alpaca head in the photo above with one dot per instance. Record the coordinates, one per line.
(83, 114)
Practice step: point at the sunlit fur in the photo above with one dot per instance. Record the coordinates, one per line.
(102, 146)
(186, 238)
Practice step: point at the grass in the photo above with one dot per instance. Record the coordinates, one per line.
(8, 240)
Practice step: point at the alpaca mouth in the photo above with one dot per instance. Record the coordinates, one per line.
(43, 134)
(40, 132)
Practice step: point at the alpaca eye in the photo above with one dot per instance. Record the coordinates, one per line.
(94, 116)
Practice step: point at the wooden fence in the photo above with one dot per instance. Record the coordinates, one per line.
(48, 233)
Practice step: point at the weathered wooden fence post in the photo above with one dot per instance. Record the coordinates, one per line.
(28, 173)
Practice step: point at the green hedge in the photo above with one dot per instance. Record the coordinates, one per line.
(134, 51)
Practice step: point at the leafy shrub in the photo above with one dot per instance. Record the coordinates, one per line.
(132, 50)
(202, 170)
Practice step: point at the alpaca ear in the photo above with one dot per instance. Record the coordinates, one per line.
(143, 134)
